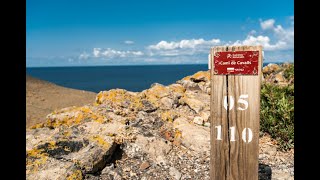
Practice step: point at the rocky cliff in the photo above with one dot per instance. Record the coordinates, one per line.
(160, 133)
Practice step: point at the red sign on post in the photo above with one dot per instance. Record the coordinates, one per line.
(236, 63)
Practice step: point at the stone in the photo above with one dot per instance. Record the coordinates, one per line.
(144, 165)
(278, 78)
(51, 168)
(193, 103)
(196, 138)
(95, 155)
(206, 124)
(205, 115)
(156, 148)
(167, 103)
(281, 176)
(271, 150)
(270, 68)
(198, 120)
(174, 173)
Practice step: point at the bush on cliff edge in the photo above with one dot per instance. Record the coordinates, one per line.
(277, 113)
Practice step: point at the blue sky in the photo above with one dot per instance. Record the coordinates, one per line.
(119, 32)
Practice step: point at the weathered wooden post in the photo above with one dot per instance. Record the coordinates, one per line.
(235, 112)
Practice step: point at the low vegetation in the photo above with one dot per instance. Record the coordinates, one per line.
(277, 111)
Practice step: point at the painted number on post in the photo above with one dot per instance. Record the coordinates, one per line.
(232, 134)
(244, 105)
(240, 101)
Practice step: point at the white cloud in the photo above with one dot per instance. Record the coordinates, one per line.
(84, 55)
(183, 47)
(186, 43)
(283, 38)
(96, 52)
(129, 42)
(111, 53)
(267, 24)
(264, 41)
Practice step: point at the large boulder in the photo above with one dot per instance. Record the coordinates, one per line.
(194, 137)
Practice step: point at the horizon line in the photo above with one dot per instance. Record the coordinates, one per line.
(281, 62)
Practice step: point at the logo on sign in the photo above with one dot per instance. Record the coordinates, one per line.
(235, 56)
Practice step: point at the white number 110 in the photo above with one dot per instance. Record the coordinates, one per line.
(232, 134)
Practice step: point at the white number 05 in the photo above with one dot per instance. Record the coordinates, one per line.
(240, 101)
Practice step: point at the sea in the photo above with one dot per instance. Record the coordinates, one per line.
(134, 78)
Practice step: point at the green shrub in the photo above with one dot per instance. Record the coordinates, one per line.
(277, 113)
(289, 72)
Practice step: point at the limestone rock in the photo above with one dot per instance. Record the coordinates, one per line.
(198, 120)
(174, 173)
(194, 137)
(156, 148)
(167, 103)
(270, 68)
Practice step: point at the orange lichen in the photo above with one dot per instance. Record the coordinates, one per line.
(205, 75)
(76, 175)
(35, 158)
(70, 116)
(119, 97)
(100, 141)
(155, 93)
(36, 126)
(169, 115)
(177, 88)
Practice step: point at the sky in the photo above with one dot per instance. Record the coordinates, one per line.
(145, 32)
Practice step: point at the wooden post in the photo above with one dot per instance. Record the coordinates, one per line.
(235, 112)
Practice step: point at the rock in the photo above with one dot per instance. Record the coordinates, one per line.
(193, 137)
(205, 115)
(167, 103)
(281, 176)
(278, 78)
(156, 92)
(50, 168)
(144, 165)
(156, 148)
(174, 173)
(95, 155)
(201, 76)
(207, 124)
(193, 103)
(198, 120)
(169, 115)
(199, 81)
(91, 177)
(271, 150)
(148, 106)
(110, 172)
(270, 68)
(36, 136)
(177, 90)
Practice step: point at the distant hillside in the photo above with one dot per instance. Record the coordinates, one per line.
(43, 97)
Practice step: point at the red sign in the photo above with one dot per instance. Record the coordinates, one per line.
(238, 62)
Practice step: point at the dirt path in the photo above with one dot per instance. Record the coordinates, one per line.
(43, 97)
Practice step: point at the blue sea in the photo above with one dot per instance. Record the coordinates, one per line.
(100, 78)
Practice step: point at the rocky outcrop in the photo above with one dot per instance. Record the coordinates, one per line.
(277, 75)
(159, 133)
